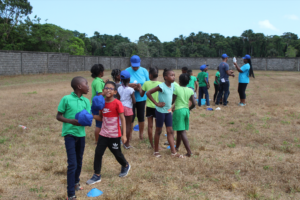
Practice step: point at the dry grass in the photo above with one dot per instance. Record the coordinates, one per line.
(239, 153)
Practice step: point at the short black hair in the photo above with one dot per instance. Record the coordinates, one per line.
(115, 73)
(184, 68)
(184, 79)
(76, 81)
(166, 71)
(96, 70)
(112, 83)
(190, 71)
(153, 71)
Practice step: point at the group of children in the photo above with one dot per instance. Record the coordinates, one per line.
(117, 114)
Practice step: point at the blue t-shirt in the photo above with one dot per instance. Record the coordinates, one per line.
(139, 76)
(244, 76)
(223, 67)
(165, 96)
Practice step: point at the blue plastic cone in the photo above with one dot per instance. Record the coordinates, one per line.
(94, 193)
(170, 147)
(136, 128)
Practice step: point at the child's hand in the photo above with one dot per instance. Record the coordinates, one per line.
(74, 122)
(124, 139)
(208, 86)
(160, 104)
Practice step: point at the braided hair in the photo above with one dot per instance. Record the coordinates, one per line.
(184, 79)
(251, 73)
(166, 71)
(115, 73)
(96, 70)
(153, 71)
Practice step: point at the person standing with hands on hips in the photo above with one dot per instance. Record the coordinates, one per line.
(245, 72)
(138, 75)
(224, 80)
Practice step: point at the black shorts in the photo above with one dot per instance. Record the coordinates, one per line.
(140, 111)
(150, 112)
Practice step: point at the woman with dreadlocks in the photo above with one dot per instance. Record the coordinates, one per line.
(245, 72)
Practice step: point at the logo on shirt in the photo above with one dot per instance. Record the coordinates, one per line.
(115, 146)
(106, 110)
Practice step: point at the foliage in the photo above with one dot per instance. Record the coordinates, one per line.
(291, 52)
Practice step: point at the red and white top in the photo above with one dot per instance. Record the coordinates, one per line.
(110, 126)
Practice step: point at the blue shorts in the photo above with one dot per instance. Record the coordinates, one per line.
(162, 118)
(98, 124)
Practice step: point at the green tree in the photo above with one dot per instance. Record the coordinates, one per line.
(76, 46)
(291, 52)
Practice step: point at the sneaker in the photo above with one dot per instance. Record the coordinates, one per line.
(71, 198)
(124, 171)
(94, 179)
(241, 104)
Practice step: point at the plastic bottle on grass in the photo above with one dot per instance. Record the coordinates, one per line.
(23, 127)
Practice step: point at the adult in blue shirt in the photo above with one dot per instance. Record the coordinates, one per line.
(245, 72)
(224, 80)
(138, 75)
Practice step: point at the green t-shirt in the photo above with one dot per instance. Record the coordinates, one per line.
(183, 95)
(218, 76)
(148, 85)
(69, 106)
(97, 86)
(201, 77)
(192, 82)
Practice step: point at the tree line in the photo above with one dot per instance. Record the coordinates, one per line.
(19, 32)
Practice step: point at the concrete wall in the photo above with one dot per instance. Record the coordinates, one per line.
(21, 62)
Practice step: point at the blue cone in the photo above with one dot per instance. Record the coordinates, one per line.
(166, 135)
(94, 193)
(136, 128)
(170, 147)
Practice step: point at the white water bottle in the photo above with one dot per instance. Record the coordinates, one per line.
(234, 59)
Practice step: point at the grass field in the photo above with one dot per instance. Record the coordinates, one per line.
(247, 152)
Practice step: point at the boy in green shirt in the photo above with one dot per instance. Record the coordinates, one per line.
(193, 83)
(182, 95)
(73, 132)
(97, 88)
(203, 84)
(217, 85)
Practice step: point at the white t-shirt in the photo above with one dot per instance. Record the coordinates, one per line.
(125, 95)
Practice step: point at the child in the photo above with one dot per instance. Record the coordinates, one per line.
(203, 85)
(126, 96)
(193, 83)
(115, 74)
(181, 115)
(184, 70)
(163, 111)
(217, 84)
(97, 87)
(150, 109)
(110, 133)
(73, 132)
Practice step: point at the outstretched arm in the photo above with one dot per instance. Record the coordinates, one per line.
(238, 68)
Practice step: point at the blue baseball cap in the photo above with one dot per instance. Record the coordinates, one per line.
(247, 57)
(202, 67)
(225, 55)
(84, 118)
(125, 74)
(98, 103)
(135, 61)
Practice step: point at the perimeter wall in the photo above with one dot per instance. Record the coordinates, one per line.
(22, 62)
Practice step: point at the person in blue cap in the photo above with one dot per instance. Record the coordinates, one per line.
(203, 84)
(138, 75)
(126, 96)
(73, 133)
(224, 80)
(245, 72)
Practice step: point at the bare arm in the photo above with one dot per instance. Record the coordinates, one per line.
(192, 99)
(142, 92)
(207, 83)
(133, 98)
(98, 117)
(238, 68)
(230, 73)
(196, 86)
(133, 85)
(157, 88)
(61, 118)
(174, 98)
(217, 80)
(123, 122)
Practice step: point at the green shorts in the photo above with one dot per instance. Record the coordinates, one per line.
(181, 119)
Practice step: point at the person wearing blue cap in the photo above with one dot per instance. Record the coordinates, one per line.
(73, 132)
(138, 75)
(203, 84)
(245, 72)
(224, 80)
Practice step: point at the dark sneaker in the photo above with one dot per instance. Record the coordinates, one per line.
(71, 198)
(78, 187)
(94, 179)
(124, 171)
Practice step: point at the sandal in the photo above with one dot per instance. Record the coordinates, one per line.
(78, 187)
(188, 155)
(176, 155)
(127, 147)
(157, 154)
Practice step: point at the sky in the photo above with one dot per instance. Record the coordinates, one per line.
(167, 19)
